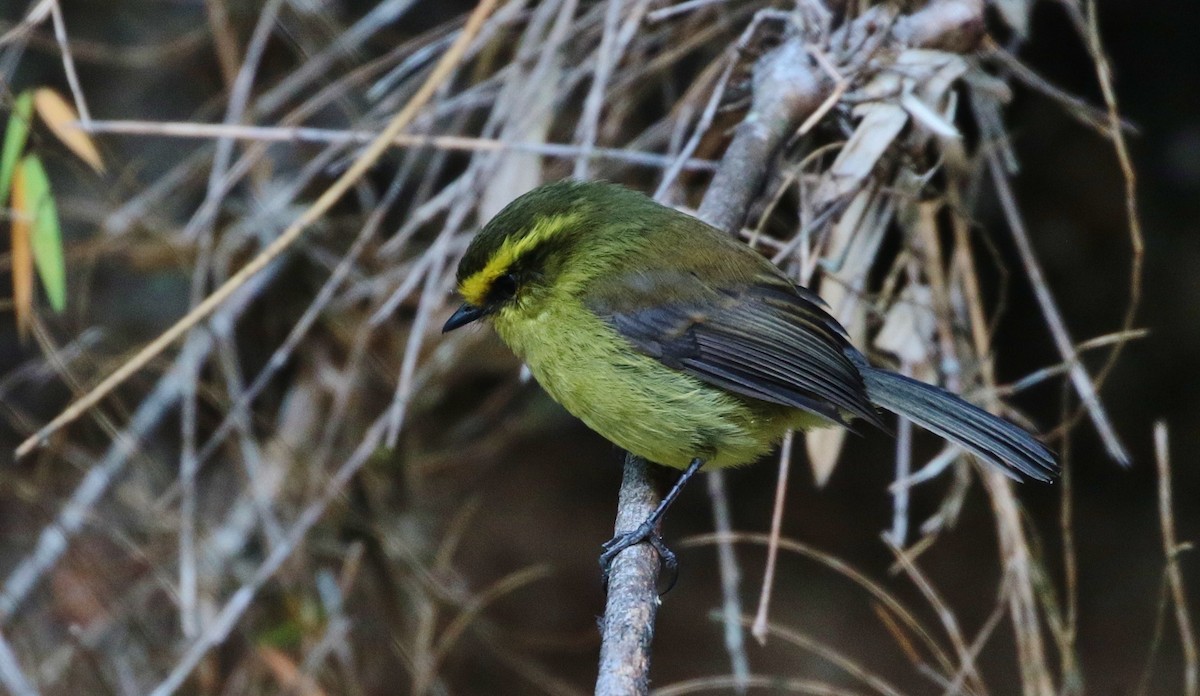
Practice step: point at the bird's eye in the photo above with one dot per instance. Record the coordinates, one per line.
(504, 287)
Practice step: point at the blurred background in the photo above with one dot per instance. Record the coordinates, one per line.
(460, 557)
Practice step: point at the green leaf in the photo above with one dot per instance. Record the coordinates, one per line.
(46, 240)
(14, 141)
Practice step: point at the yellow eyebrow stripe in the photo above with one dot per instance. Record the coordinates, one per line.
(474, 288)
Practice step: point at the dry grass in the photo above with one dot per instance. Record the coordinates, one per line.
(269, 497)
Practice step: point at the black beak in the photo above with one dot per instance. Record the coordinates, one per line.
(465, 315)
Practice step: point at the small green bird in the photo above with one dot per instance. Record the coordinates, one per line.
(684, 346)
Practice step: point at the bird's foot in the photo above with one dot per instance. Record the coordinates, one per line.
(644, 533)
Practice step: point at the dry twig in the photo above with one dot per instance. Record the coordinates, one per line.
(1171, 551)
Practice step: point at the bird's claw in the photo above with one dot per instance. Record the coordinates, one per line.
(644, 533)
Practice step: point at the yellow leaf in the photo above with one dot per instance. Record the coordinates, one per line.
(22, 255)
(60, 116)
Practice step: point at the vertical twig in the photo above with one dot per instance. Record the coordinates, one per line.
(901, 493)
(1016, 556)
(786, 89)
(1172, 549)
(731, 600)
(1072, 673)
(60, 35)
(200, 226)
(189, 466)
(760, 628)
(1014, 549)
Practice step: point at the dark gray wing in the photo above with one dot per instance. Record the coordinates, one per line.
(762, 339)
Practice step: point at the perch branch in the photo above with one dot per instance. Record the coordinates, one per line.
(628, 623)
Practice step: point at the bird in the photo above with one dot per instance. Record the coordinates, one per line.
(686, 347)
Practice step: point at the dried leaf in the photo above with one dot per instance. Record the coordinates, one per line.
(909, 326)
(881, 123)
(943, 72)
(22, 255)
(15, 135)
(823, 447)
(928, 119)
(46, 238)
(853, 244)
(60, 116)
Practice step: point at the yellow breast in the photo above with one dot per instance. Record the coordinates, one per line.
(631, 399)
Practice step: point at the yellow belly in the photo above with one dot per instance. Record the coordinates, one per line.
(637, 403)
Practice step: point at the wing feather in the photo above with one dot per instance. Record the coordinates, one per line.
(762, 338)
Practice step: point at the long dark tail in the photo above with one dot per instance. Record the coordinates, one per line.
(992, 439)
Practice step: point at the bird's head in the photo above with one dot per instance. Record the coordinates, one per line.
(537, 243)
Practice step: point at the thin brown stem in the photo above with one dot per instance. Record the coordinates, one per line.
(1171, 550)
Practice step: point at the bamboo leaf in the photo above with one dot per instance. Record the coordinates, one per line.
(909, 326)
(46, 240)
(15, 135)
(22, 256)
(854, 242)
(60, 116)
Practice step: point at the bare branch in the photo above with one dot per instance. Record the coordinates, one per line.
(1171, 550)
(627, 629)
